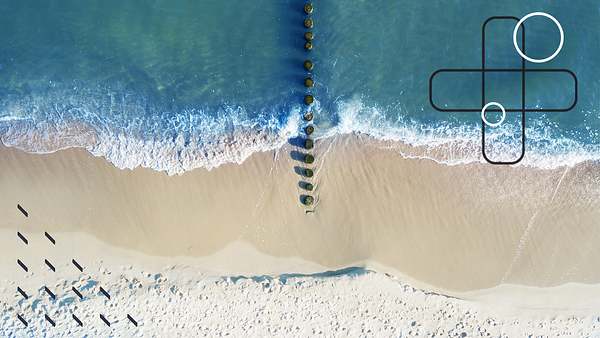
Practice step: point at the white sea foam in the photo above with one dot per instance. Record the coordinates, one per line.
(231, 137)
(174, 157)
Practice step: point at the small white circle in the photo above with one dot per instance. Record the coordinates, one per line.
(493, 125)
(560, 44)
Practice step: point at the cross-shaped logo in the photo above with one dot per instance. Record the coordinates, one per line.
(485, 106)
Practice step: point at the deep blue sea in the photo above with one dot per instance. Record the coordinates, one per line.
(179, 84)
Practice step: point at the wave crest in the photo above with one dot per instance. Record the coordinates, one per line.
(455, 144)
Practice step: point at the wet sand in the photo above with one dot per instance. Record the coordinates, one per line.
(455, 228)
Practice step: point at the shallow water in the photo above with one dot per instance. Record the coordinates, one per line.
(175, 85)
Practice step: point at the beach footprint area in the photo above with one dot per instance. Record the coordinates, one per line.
(277, 169)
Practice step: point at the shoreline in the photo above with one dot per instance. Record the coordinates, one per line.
(456, 228)
(449, 145)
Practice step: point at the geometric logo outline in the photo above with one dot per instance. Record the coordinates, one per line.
(483, 70)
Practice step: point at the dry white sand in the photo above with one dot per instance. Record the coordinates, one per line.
(176, 297)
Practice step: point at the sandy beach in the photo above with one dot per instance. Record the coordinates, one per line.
(455, 228)
(392, 246)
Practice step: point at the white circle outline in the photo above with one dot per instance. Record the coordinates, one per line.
(560, 44)
(493, 125)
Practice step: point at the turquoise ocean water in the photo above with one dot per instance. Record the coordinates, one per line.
(180, 84)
